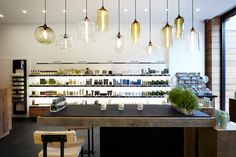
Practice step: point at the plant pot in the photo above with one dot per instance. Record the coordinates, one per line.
(182, 110)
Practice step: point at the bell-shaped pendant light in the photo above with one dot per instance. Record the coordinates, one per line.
(167, 32)
(135, 29)
(193, 35)
(179, 24)
(64, 41)
(86, 28)
(102, 19)
(150, 48)
(44, 34)
(119, 42)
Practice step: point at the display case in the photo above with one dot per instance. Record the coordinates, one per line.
(91, 84)
(19, 87)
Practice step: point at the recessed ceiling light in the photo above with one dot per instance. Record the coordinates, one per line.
(198, 9)
(1, 16)
(63, 10)
(24, 11)
(166, 10)
(146, 10)
(84, 10)
(44, 11)
(125, 10)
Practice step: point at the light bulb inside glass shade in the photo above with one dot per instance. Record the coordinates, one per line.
(119, 44)
(86, 30)
(150, 48)
(102, 20)
(44, 34)
(179, 27)
(193, 40)
(167, 36)
(135, 31)
(64, 42)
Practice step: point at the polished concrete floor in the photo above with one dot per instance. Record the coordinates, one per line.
(19, 143)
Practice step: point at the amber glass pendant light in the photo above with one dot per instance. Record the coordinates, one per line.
(149, 49)
(135, 28)
(119, 43)
(64, 41)
(193, 35)
(44, 34)
(86, 28)
(179, 24)
(167, 37)
(102, 19)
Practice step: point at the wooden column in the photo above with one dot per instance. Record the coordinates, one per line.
(212, 55)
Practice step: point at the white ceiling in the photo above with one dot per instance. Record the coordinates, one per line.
(12, 10)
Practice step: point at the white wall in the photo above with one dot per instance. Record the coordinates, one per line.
(17, 41)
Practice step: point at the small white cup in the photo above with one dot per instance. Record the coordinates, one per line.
(103, 107)
(121, 107)
(140, 107)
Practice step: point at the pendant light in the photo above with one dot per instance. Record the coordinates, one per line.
(193, 36)
(86, 28)
(44, 34)
(179, 24)
(167, 38)
(102, 19)
(135, 29)
(119, 40)
(64, 41)
(150, 47)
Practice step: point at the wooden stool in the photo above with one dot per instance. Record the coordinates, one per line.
(89, 134)
(59, 143)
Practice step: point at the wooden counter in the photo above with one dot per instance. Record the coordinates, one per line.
(151, 116)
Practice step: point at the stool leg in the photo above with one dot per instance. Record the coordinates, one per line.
(92, 142)
(88, 142)
(82, 152)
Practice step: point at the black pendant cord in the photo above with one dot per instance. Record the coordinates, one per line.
(45, 12)
(135, 12)
(102, 3)
(65, 17)
(167, 11)
(150, 20)
(179, 7)
(118, 16)
(86, 9)
(192, 14)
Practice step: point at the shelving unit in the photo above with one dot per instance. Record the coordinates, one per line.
(122, 82)
(19, 87)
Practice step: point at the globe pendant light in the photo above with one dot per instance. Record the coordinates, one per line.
(44, 34)
(64, 41)
(193, 36)
(150, 47)
(119, 40)
(86, 28)
(135, 29)
(179, 24)
(167, 38)
(102, 19)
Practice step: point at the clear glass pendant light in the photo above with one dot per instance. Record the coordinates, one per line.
(44, 34)
(193, 36)
(150, 48)
(86, 28)
(64, 41)
(167, 32)
(135, 29)
(179, 24)
(102, 19)
(119, 42)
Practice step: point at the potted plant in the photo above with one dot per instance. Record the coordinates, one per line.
(183, 100)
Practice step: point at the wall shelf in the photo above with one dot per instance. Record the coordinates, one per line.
(130, 86)
(55, 96)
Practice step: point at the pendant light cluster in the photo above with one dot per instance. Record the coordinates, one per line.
(46, 35)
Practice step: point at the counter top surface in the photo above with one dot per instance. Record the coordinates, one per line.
(112, 111)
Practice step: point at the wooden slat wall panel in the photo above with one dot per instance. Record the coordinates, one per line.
(212, 56)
